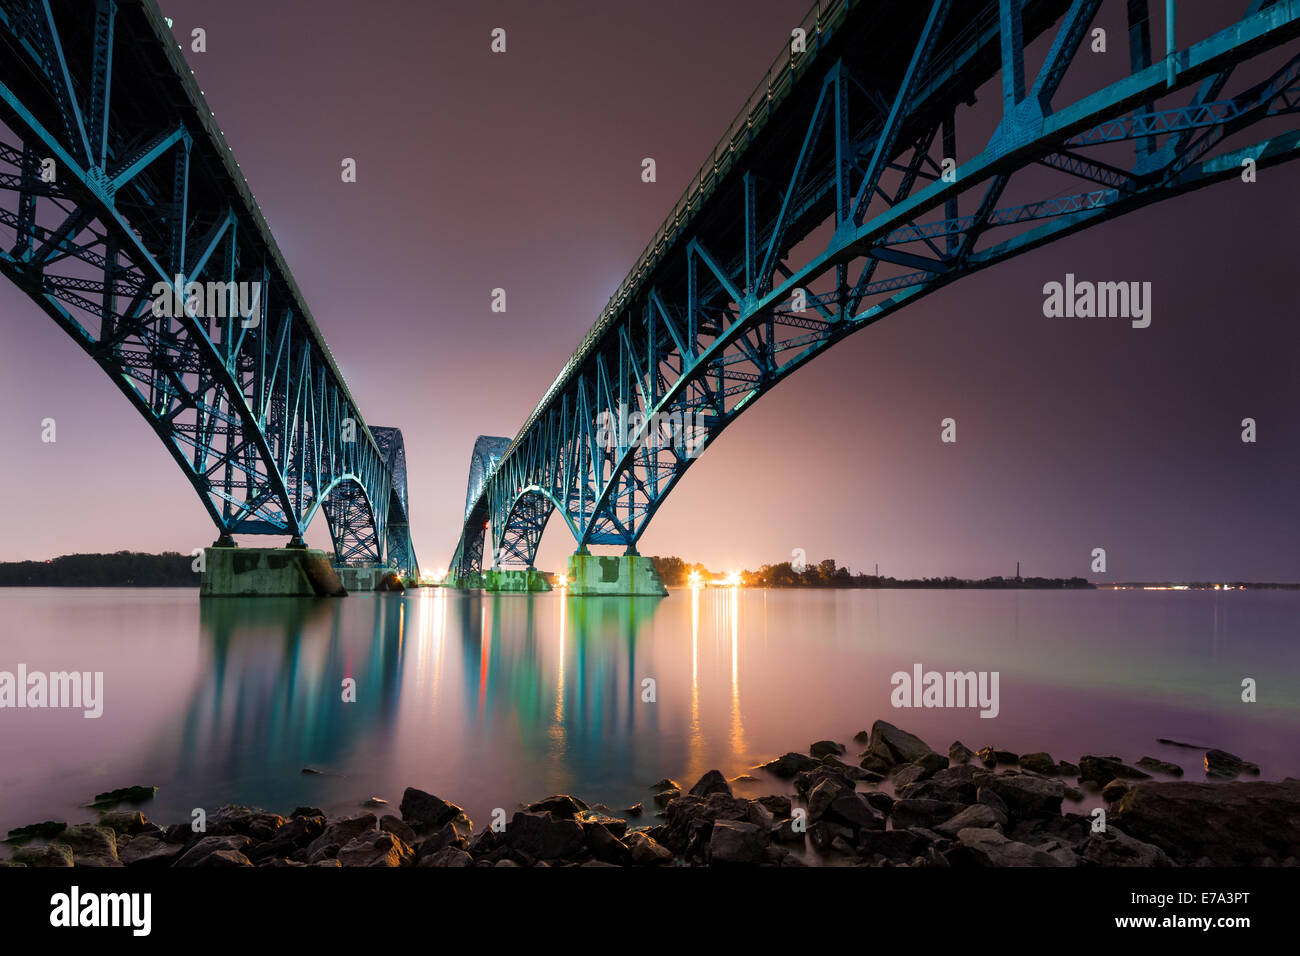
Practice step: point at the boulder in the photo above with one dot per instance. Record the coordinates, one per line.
(1102, 770)
(605, 845)
(1160, 766)
(447, 856)
(1038, 763)
(1232, 824)
(788, 765)
(124, 821)
(1114, 790)
(91, 845)
(124, 795)
(232, 845)
(853, 809)
(225, 859)
(712, 782)
(391, 824)
(424, 811)
(665, 784)
(646, 851)
(561, 805)
(376, 849)
(959, 752)
(339, 834)
(543, 836)
(736, 844)
(895, 746)
(1115, 848)
(51, 855)
(977, 816)
(1221, 765)
(954, 784)
(921, 812)
(146, 851)
(1026, 795)
(987, 847)
(991, 758)
(824, 748)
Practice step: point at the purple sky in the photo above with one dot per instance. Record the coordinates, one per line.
(523, 171)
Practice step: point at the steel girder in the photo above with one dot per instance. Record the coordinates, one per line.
(115, 182)
(829, 188)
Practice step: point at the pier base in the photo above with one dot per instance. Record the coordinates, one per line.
(473, 581)
(268, 572)
(369, 579)
(617, 575)
(515, 581)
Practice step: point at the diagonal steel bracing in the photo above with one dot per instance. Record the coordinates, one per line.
(842, 193)
(116, 187)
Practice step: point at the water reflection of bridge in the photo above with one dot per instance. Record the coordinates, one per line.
(535, 692)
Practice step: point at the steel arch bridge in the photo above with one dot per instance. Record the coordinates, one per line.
(826, 207)
(116, 186)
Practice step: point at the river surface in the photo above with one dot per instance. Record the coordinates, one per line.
(492, 700)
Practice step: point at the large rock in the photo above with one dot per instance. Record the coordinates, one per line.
(788, 765)
(955, 784)
(895, 746)
(232, 846)
(1160, 766)
(91, 845)
(988, 847)
(561, 805)
(959, 752)
(543, 836)
(1115, 848)
(646, 851)
(1230, 824)
(147, 851)
(448, 856)
(339, 834)
(921, 812)
(1039, 762)
(1221, 765)
(425, 811)
(822, 748)
(977, 816)
(376, 849)
(1102, 770)
(712, 782)
(1026, 795)
(51, 855)
(736, 844)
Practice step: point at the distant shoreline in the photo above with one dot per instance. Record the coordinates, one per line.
(131, 569)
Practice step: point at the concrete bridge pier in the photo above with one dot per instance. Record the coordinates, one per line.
(615, 575)
(294, 571)
(515, 581)
(463, 581)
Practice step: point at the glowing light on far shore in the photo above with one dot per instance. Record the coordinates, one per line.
(562, 580)
(733, 579)
(695, 580)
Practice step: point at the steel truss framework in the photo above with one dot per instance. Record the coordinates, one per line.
(114, 177)
(830, 187)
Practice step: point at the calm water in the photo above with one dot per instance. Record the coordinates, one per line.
(488, 701)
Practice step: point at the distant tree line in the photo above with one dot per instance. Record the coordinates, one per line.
(120, 569)
(827, 574)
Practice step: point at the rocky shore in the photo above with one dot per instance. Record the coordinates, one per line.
(902, 804)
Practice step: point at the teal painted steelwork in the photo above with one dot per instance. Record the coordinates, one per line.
(732, 294)
(146, 198)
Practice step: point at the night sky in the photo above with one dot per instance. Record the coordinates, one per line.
(522, 171)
